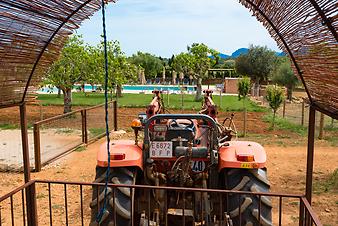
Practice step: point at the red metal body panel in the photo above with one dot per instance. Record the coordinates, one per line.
(133, 154)
(228, 155)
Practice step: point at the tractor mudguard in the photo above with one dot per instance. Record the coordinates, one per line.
(123, 153)
(242, 154)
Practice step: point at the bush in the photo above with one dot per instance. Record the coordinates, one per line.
(275, 97)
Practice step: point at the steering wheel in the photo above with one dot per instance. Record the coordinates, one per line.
(190, 126)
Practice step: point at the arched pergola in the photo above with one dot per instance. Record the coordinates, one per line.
(32, 34)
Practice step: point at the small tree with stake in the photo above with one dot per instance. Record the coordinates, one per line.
(243, 91)
(275, 97)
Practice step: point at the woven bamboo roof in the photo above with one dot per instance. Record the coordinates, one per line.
(33, 32)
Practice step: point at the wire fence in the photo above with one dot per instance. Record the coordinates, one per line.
(298, 113)
(56, 136)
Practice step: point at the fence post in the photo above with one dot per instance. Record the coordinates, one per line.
(37, 147)
(220, 99)
(321, 126)
(303, 108)
(84, 126)
(284, 108)
(182, 102)
(115, 115)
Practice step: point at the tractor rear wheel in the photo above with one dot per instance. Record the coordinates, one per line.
(119, 200)
(246, 207)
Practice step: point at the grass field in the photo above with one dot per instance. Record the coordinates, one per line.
(229, 103)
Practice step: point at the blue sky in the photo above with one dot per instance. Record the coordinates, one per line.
(166, 27)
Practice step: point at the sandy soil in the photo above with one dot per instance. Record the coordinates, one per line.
(286, 169)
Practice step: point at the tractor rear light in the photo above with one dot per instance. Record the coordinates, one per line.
(245, 158)
(117, 156)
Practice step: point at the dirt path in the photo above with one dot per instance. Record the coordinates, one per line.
(286, 170)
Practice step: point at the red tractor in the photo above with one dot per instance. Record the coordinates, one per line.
(183, 150)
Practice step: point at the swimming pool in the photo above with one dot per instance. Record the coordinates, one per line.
(143, 88)
(54, 90)
(126, 88)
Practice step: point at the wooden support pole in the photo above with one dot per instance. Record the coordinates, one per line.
(24, 139)
(310, 153)
(30, 191)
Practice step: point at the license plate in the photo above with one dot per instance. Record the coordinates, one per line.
(246, 165)
(161, 149)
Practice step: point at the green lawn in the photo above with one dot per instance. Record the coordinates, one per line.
(229, 103)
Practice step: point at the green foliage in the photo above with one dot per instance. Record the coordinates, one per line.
(81, 63)
(196, 62)
(95, 132)
(151, 64)
(71, 65)
(258, 63)
(183, 63)
(243, 87)
(284, 76)
(200, 62)
(7, 126)
(120, 69)
(275, 97)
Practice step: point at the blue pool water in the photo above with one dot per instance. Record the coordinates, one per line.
(156, 87)
(127, 88)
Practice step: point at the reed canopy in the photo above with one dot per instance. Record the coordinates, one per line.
(33, 32)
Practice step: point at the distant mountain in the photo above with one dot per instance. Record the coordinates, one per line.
(280, 54)
(223, 56)
(239, 52)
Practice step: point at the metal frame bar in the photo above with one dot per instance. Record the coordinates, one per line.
(326, 20)
(309, 219)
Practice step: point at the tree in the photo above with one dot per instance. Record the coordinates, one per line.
(120, 70)
(203, 58)
(196, 63)
(275, 97)
(284, 76)
(151, 64)
(68, 69)
(94, 66)
(243, 91)
(258, 64)
(183, 63)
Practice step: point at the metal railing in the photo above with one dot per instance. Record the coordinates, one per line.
(67, 203)
(59, 135)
